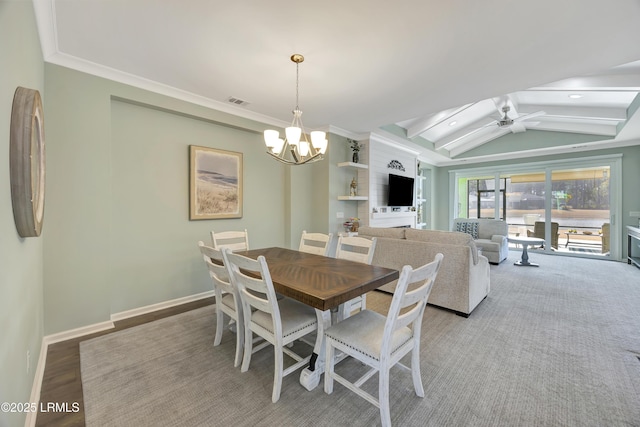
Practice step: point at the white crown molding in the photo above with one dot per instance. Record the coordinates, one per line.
(46, 22)
(390, 140)
(571, 148)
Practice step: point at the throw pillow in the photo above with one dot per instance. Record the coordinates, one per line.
(469, 227)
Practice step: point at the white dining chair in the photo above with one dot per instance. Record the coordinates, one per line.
(279, 322)
(358, 249)
(234, 240)
(227, 300)
(381, 342)
(315, 243)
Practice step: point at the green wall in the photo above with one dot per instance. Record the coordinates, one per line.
(21, 271)
(119, 197)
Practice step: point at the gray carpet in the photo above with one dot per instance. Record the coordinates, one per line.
(557, 345)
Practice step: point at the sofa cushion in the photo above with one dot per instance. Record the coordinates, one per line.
(469, 227)
(437, 236)
(444, 237)
(394, 233)
(396, 253)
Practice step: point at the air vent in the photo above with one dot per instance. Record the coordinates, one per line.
(237, 101)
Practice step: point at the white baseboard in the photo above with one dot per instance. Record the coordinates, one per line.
(36, 387)
(90, 329)
(160, 306)
(78, 332)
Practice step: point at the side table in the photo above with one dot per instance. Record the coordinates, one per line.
(525, 242)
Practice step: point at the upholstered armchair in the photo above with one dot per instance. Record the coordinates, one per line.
(490, 235)
(606, 233)
(538, 231)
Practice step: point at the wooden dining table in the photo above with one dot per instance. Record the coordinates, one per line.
(323, 283)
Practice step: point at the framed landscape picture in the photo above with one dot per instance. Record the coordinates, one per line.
(215, 183)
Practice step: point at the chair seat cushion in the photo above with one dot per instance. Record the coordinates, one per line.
(295, 316)
(363, 332)
(227, 299)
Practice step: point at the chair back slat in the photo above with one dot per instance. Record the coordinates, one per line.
(315, 243)
(220, 277)
(234, 240)
(253, 281)
(214, 257)
(354, 248)
(416, 298)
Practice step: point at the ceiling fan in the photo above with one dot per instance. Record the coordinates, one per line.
(516, 125)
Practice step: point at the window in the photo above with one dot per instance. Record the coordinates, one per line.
(571, 204)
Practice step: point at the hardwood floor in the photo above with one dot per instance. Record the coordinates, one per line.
(61, 382)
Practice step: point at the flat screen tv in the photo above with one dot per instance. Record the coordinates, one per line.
(400, 190)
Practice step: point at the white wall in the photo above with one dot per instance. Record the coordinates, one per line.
(380, 157)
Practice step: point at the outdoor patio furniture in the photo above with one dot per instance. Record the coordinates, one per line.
(538, 231)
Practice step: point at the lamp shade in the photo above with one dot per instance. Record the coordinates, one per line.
(293, 134)
(317, 137)
(303, 148)
(271, 137)
(278, 145)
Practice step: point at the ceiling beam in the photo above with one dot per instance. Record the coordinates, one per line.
(426, 123)
(584, 128)
(486, 135)
(464, 132)
(614, 113)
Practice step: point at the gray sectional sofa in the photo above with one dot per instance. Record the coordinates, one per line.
(463, 280)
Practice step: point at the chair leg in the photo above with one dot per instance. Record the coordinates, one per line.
(239, 345)
(328, 368)
(277, 373)
(415, 371)
(219, 325)
(383, 396)
(248, 347)
(363, 304)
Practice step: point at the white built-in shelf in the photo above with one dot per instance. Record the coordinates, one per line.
(403, 214)
(353, 198)
(352, 165)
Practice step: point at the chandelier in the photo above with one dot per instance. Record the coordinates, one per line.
(295, 148)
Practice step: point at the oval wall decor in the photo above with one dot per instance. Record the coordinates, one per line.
(27, 161)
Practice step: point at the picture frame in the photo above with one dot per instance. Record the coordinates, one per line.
(215, 183)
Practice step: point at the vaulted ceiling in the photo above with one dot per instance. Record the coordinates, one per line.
(404, 70)
(596, 107)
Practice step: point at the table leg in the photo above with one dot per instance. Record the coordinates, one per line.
(524, 261)
(310, 377)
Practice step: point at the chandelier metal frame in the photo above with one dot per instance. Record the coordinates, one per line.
(295, 148)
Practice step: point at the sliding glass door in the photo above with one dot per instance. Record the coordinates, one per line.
(481, 197)
(581, 213)
(569, 204)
